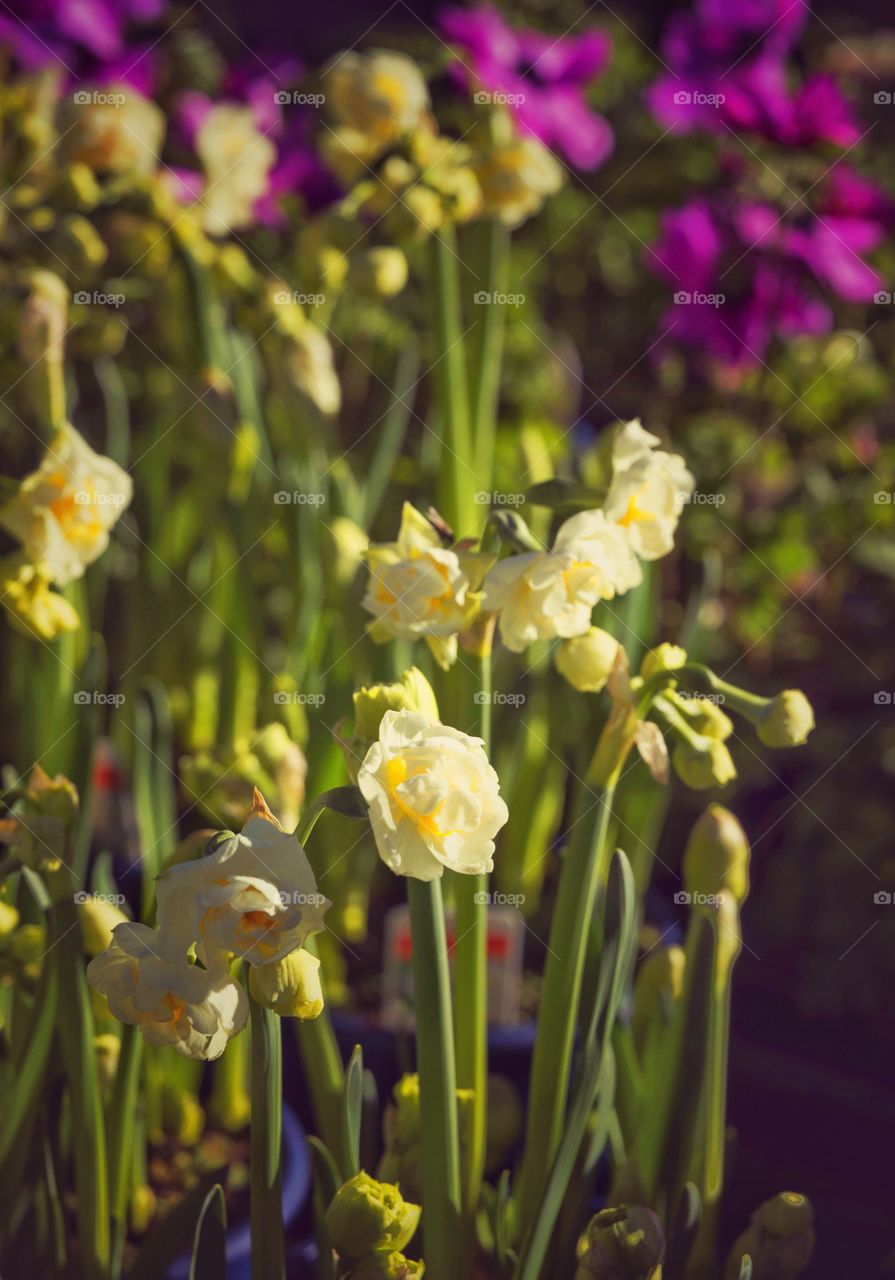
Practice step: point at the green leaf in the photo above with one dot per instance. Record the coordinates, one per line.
(327, 1181)
(352, 1110)
(564, 495)
(682, 1232)
(170, 1237)
(19, 1104)
(209, 1260)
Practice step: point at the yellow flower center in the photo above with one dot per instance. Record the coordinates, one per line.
(634, 514)
(396, 772)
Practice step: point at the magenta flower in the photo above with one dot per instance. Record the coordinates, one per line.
(81, 36)
(743, 274)
(541, 79)
(727, 69)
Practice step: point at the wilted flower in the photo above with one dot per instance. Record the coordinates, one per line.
(434, 798)
(32, 606)
(291, 986)
(586, 661)
(515, 177)
(64, 510)
(366, 1215)
(193, 1010)
(254, 896)
(419, 587)
(647, 492)
(542, 594)
(543, 76)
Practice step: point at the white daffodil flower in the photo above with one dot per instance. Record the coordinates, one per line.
(542, 594)
(64, 510)
(374, 99)
(434, 798)
(173, 1002)
(648, 491)
(418, 587)
(254, 897)
(237, 158)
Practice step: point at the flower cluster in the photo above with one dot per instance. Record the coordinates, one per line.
(253, 897)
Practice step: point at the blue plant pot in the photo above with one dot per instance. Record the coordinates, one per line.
(296, 1186)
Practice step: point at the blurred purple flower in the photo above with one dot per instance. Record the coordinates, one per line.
(542, 77)
(742, 274)
(84, 37)
(727, 69)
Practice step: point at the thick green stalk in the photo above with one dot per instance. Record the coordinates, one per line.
(457, 477)
(487, 349)
(471, 1002)
(560, 993)
(121, 1134)
(438, 1087)
(266, 1205)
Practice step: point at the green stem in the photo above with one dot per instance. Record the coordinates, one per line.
(487, 350)
(438, 1089)
(456, 493)
(268, 1258)
(471, 1012)
(325, 1075)
(121, 1135)
(584, 870)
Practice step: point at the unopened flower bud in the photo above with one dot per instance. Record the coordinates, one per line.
(703, 763)
(658, 986)
(780, 1240)
(380, 272)
(387, 1266)
(622, 1244)
(142, 1209)
(787, 720)
(665, 657)
(9, 919)
(412, 693)
(587, 661)
(182, 1116)
(350, 544)
(366, 1215)
(291, 986)
(107, 1050)
(716, 859)
(98, 918)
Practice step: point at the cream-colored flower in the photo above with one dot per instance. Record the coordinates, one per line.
(419, 587)
(237, 159)
(309, 365)
(254, 896)
(175, 1003)
(542, 594)
(375, 98)
(434, 798)
(115, 130)
(586, 661)
(32, 607)
(64, 510)
(515, 178)
(648, 490)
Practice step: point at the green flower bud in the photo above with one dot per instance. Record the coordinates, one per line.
(587, 661)
(107, 1049)
(366, 1215)
(402, 1130)
(412, 693)
(291, 986)
(380, 272)
(716, 859)
(665, 657)
(9, 919)
(182, 1116)
(141, 1209)
(787, 720)
(704, 763)
(98, 918)
(702, 714)
(622, 1244)
(657, 988)
(350, 544)
(387, 1266)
